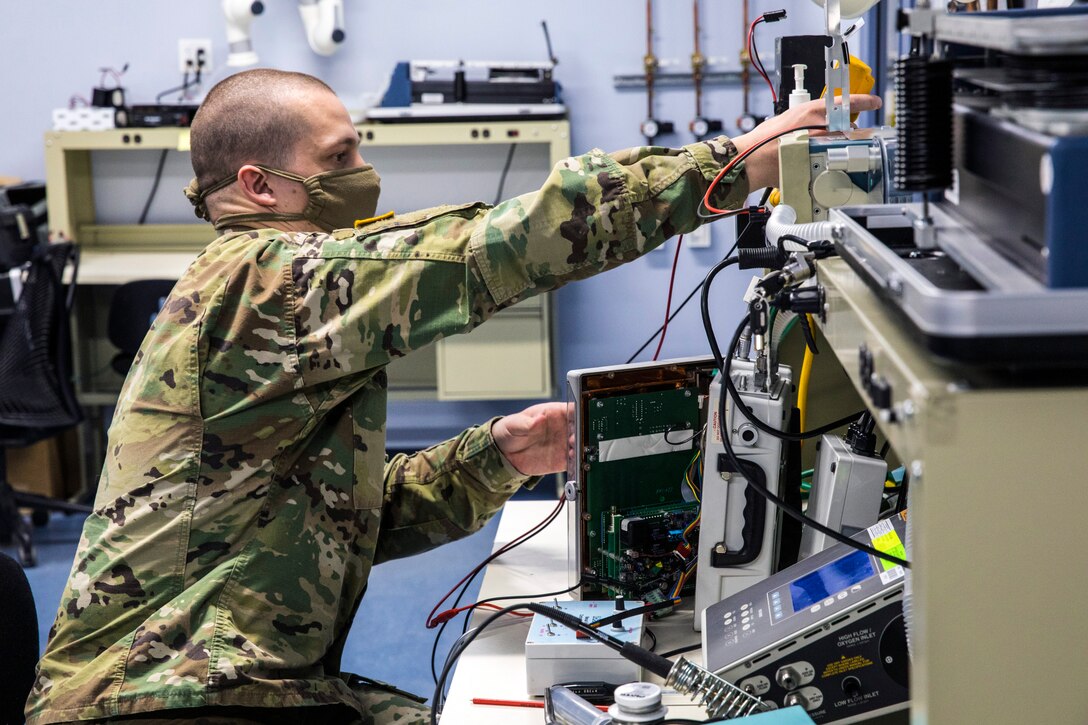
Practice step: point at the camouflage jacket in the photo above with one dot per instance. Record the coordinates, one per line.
(246, 496)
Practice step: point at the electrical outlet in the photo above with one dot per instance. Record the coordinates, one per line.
(194, 53)
(699, 238)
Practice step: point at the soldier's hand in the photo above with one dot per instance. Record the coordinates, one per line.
(762, 165)
(534, 440)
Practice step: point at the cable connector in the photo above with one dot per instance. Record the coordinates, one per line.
(801, 266)
(761, 258)
(804, 300)
(751, 227)
(822, 248)
(759, 321)
(773, 16)
(861, 436)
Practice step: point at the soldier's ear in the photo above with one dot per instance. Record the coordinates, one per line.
(257, 186)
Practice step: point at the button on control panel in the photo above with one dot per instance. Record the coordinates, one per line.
(740, 622)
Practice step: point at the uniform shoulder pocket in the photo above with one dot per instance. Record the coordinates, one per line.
(414, 219)
(440, 233)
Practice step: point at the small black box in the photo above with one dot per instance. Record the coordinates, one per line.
(162, 114)
(646, 536)
(108, 97)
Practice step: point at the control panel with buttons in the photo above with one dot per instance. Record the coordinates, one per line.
(826, 634)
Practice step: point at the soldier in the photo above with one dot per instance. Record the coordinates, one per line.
(245, 495)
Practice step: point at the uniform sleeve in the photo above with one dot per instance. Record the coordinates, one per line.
(598, 211)
(363, 300)
(444, 492)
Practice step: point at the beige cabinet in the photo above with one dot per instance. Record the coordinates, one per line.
(508, 357)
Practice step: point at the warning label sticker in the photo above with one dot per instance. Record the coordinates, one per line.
(845, 664)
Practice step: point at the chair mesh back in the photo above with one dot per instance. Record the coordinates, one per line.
(133, 309)
(35, 366)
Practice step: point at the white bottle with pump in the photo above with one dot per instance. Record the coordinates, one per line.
(799, 95)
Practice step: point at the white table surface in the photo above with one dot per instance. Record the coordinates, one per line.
(112, 267)
(493, 666)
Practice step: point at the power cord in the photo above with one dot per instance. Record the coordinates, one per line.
(725, 366)
(682, 650)
(741, 157)
(668, 299)
(753, 52)
(437, 699)
(442, 619)
(186, 84)
(716, 352)
(154, 187)
(659, 334)
(644, 657)
(505, 172)
(676, 312)
(491, 600)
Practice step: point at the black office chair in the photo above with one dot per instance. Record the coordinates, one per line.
(18, 641)
(37, 398)
(132, 310)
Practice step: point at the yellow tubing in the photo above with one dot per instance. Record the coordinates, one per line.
(802, 383)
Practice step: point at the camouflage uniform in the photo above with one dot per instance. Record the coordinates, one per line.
(245, 495)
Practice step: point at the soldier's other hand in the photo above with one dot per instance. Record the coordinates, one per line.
(535, 440)
(762, 165)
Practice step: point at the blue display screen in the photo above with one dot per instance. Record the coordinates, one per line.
(830, 579)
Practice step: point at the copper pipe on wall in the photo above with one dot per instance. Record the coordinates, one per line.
(698, 63)
(745, 61)
(649, 61)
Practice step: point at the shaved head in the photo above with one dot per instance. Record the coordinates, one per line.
(253, 117)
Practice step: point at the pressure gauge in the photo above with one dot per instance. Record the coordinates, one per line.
(651, 128)
(701, 127)
(748, 122)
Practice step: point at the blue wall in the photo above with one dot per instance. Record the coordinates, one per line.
(54, 48)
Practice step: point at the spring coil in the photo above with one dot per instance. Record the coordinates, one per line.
(923, 102)
(720, 698)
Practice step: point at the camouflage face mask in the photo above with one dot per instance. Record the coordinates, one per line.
(336, 199)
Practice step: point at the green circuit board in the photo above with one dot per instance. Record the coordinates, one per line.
(648, 487)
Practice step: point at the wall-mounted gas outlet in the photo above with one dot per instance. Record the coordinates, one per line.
(700, 238)
(194, 53)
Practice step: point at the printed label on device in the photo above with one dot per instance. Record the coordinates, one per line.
(885, 540)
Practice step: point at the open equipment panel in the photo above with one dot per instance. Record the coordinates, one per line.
(633, 476)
